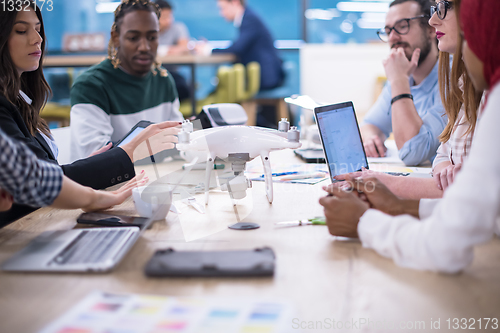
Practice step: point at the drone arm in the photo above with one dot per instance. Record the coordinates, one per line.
(264, 155)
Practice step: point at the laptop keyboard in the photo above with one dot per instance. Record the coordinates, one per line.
(91, 246)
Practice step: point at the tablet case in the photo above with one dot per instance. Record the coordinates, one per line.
(311, 155)
(111, 220)
(171, 263)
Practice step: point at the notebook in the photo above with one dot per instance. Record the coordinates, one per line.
(341, 138)
(80, 250)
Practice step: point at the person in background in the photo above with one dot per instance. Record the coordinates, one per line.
(254, 43)
(25, 179)
(174, 36)
(409, 106)
(23, 93)
(444, 237)
(173, 40)
(461, 102)
(130, 86)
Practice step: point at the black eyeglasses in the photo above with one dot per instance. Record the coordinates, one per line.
(402, 27)
(441, 8)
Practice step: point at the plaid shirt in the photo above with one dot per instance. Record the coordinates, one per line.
(456, 149)
(29, 180)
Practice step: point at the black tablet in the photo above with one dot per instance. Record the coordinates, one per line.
(138, 128)
(110, 220)
(242, 263)
(311, 155)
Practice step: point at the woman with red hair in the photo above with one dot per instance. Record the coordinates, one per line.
(468, 214)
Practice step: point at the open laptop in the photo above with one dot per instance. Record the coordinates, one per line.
(80, 250)
(341, 138)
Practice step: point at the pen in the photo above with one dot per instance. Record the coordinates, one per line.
(203, 166)
(276, 174)
(303, 176)
(312, 221)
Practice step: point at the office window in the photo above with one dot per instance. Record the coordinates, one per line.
(343, 21)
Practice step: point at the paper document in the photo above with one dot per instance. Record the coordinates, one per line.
(303, 101)
(101, 312)
(391, 155)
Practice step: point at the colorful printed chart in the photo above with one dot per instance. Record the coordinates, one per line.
(101, 312)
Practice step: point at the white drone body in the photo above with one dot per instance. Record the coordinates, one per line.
(238, 145)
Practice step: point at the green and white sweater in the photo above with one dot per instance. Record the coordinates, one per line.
(107, 102)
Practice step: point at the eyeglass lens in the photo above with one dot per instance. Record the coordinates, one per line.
(440, 8)
(401, 27)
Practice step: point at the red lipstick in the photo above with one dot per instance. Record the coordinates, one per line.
(439, 34)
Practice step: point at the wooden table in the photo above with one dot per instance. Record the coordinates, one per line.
(179, 60)
(325, 278)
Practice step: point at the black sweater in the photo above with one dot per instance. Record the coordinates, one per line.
(98, 172)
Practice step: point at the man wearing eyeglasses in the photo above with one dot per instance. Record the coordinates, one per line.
(410, 105)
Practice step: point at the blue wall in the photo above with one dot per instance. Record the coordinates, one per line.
(283, 18)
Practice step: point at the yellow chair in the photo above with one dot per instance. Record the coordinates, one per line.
(252, 88)
(57, 112)
(253, 81)
(239, 84)
(224, 93)
(226, 88)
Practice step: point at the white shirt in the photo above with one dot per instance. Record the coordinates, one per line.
(468, 215)
(50, 141)
(238, 19)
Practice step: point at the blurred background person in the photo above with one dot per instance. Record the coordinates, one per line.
(254, 43)
(173, 40)
(174, 36)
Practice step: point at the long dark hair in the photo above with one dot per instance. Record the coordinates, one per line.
(32, 83)
(455, 96)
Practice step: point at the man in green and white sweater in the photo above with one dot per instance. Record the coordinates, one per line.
(114, 95)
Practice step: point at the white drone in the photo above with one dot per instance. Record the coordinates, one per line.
(238, 145)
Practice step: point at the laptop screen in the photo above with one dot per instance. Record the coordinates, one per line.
(341, 138)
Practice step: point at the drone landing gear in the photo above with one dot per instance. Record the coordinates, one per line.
(268, 175)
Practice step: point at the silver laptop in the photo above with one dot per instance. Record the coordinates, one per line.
(79, 250)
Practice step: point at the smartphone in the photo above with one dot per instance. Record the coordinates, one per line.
(138, 128)
(110, 220)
